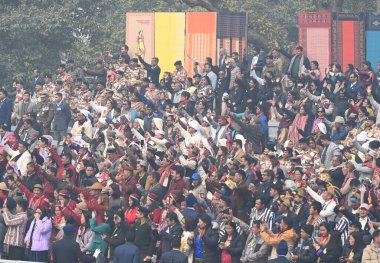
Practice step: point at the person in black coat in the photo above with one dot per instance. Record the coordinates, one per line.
(129, 252)
(5, 110)
(304, 251)
(222, 86)
(153, 70)
(62, 116)
(329, 247)
(232, 243)
(67, 250)
(206, 241)
(119, 233)
(174, 228)
(174, 255)
(354, 249)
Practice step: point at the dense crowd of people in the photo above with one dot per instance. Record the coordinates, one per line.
(125, 163)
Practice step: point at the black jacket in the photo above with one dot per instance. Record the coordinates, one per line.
(67, 250)
(332, 251)
(305, 252)
(152, 72)
(118, 237)
(166, 238)
(222, 86)
(236, 247)
(62, 116)
(210, 245)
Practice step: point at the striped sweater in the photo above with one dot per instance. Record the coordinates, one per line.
(16, 228)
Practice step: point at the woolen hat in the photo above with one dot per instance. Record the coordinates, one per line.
(69, 229)
(282, 248)
(308, 229)
(191, 200)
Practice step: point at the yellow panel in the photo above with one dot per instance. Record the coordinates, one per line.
(169, 39)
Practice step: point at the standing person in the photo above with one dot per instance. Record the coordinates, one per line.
(304, 252)
(5, 109)
(37, 239)
(255, 250)
(231, 244)
(330, 149)
(299, 63)
(222, 87)
(153, 70)
(144, 237)
(371, 252)
(327, 201)
(173, 229)
(62, 117)
(206, 241)
(16, 224)
(67, 250)
(118, 234)
(45, 113)
(174, 255)
(354, 251)
(129, 252)
(328, 247)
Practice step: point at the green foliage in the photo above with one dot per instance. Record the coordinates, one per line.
(45, 32)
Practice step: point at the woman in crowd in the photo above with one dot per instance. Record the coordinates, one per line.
(37, 239)
(353, 252)
(231, 244)
(85, 234)
(328, 247)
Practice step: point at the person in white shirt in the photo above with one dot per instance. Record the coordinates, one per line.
(327, 201)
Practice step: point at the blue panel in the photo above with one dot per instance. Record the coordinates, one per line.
(373, 47)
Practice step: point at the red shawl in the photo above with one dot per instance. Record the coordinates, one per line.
(299, 122)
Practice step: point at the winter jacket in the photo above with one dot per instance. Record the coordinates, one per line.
(371, 254)
(209, 245)
(236, 247)
(274, 239)
(305, 251)
(41, 235)
(97, 241)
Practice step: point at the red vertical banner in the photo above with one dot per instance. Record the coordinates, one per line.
(314, 35)
(200, 38)
(348, 39)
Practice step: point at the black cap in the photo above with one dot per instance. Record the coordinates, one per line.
(303, 140)
(178, 63)
(59, 82)
(143, 210)
(325, 137)
(61, 65)
(69, 61)
(197, 76)
(119, 72)
(135, 60)
(99, 62)
(48, 75)
(308, 229)
(145, 80)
